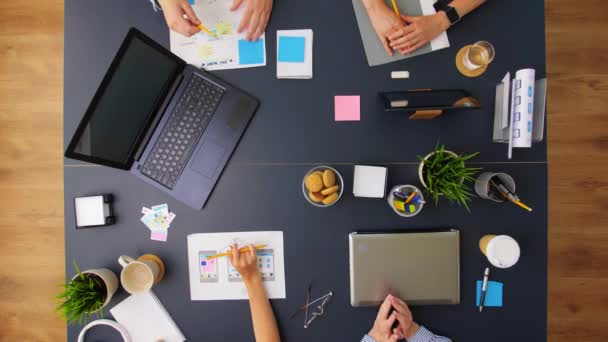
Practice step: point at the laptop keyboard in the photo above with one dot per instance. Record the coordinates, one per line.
(182, 131)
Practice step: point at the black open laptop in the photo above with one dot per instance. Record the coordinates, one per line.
(171, 124)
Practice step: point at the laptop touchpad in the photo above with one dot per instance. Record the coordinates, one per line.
(208, 158)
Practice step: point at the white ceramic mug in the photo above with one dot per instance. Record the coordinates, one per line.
(138, 276)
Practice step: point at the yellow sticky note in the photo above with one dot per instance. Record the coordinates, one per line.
(205, 51)
(399, 205)
(223, 28)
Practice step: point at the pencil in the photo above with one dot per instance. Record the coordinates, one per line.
(396, 8)
(243, 249)
(409, 199)
(522, 205)
(206, 30)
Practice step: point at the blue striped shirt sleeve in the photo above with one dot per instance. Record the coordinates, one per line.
(423, 335)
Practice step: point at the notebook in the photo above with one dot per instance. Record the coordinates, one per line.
(146, 319)
(294, 54)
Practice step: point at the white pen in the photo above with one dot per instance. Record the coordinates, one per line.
(484, 286)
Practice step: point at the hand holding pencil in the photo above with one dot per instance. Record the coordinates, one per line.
(245, 261)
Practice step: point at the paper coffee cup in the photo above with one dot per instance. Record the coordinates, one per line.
(502, 251)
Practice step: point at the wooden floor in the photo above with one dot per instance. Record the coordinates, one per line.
(31, 172)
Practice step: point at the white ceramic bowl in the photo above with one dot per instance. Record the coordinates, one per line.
(339, 182)
(391, 197)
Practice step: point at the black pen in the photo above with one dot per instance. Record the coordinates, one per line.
(484, 287)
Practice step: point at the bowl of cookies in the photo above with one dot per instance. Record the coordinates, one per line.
(322, 186)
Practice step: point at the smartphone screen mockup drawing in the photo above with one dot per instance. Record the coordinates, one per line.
(266, 264)
(208, 268)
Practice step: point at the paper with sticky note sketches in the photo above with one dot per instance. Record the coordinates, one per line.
(294, 54)
(493, 293)
(228, 49)
(158, 219)
(347, 108)
(216, 279)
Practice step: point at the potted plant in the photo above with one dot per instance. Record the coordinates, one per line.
(443, 173)
(86, 294)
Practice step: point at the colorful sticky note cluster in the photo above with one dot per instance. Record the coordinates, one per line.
(347, 108)
(158, 219)
(291, 49)
(251, 52)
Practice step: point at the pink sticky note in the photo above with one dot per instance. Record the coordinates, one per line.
(158, 236)
(348, 108)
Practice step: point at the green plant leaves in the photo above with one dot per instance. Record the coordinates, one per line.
(81, 297)
(445, 174)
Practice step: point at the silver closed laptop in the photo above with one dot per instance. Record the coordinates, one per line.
(423, 268)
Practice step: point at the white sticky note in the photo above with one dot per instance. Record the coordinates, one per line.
(90, 211)
(369, 181)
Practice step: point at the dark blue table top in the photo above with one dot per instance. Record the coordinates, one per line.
(293, 131)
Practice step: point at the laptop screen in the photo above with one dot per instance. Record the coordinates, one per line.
(124, 104)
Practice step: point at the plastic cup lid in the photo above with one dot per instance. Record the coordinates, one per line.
(503, 251)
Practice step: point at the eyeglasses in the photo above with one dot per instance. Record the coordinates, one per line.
(317, 311)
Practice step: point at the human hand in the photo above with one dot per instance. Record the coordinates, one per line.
(255, 17)
(174, 11)
(419, 31)
(407, 327)
(246, 263)
(383, 331)
(384, 21)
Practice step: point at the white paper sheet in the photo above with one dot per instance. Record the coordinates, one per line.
(146, 319)
(219, 281)
(211, 53)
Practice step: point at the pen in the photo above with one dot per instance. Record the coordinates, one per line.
(243, 249)
(484, 287)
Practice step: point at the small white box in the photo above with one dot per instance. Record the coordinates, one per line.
(370, 181)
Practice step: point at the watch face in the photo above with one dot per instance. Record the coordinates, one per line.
(452, 14)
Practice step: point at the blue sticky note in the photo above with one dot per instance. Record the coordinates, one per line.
(493, 294)
(251, 52)
(291, 49)
(191, 2)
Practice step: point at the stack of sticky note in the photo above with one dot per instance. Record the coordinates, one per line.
(294, 54)
(370, 181)
(158, 219)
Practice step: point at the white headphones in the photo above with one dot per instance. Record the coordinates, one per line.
(123, 332)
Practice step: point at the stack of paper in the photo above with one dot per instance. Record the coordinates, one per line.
(146, 319)
(158, 219)
(294, 54)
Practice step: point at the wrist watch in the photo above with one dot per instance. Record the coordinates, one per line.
(452, 14)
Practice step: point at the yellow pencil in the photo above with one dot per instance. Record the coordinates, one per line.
(410, 198)
(522, 205)
(243, 249)
(206, 30)
(396, 8)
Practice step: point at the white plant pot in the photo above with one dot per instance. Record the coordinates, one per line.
(421, 166)
(109, 279)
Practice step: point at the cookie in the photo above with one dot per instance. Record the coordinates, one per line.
(330, 199)
(316, 196)
(318, 172)
(329, 178)
(330, 190)
(314, 182)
